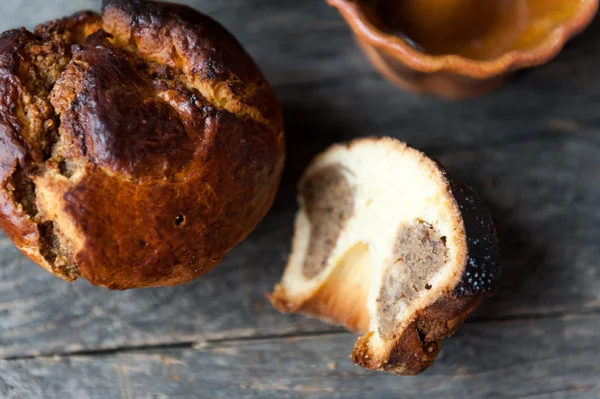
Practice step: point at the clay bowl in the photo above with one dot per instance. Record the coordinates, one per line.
(462, 48)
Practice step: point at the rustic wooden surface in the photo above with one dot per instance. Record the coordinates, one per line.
(530, 149)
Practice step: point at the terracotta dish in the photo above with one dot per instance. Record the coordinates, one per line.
(462, 48)
(389, 245)
(137, 147)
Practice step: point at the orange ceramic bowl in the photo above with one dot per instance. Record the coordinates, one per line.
(462, 48)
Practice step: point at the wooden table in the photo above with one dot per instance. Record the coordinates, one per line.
(532, 150)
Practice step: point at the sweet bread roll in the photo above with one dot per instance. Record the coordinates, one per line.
(389, 245)
(137, 147)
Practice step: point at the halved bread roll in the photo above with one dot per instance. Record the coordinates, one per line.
(388, 244)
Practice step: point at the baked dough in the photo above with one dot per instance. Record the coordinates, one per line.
(389, 245)
(137, 147)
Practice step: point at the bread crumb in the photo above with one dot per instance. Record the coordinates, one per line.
(332, 366)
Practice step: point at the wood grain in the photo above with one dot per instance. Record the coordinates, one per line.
(545, 358)
(530, 149)
(547, 233)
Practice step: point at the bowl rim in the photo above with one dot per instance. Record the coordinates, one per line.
(357, 18)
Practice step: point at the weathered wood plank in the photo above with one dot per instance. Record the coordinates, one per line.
(546, 358)
(531, 149)
(547, 267)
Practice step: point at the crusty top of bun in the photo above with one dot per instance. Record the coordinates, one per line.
(137, 147)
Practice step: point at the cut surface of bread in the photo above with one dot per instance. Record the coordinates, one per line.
(389, 245)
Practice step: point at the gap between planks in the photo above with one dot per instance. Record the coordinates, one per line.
(218, 342)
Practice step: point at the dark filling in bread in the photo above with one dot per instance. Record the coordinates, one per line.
(66, 168)
(419, 253)
(23, 191)
(42, 59)
(53, 251)
(329, 204)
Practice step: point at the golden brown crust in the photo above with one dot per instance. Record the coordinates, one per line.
(280, 301)
(340, 300)
(179, 37)
(418, 346)
(169, 151)
(70, 30)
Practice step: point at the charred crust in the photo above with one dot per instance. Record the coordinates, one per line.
(196, 43)
(481, 276)
(174, 24)
(115, 119)
(420, 343)
(411, 354)
(126, 144)
(408, 356)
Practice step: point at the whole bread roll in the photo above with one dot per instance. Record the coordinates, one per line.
(137, 147)
(388, 244)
